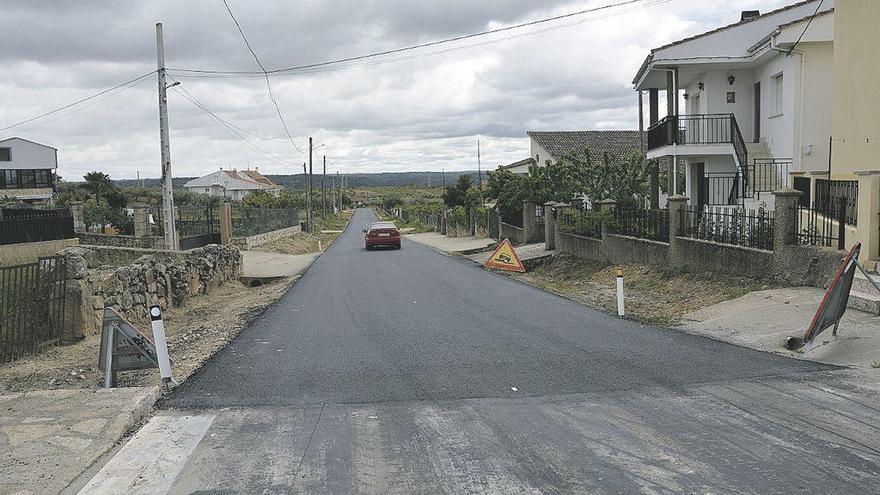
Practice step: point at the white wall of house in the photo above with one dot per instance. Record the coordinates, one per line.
(818, 101)
(538, 152)
(27, 155)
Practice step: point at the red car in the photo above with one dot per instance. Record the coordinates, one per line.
(382, 234)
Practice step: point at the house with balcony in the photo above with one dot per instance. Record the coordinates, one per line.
(748, 106)
(27, 170)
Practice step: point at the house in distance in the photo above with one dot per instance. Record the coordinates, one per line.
(233, 184)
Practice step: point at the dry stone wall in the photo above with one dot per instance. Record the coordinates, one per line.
(160, 278)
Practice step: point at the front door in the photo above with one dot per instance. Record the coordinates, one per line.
(757, 112)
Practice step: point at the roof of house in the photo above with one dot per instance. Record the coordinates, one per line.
(256, 176)
(26, 141)
(230, 180)
(560, 143)
(520, 163)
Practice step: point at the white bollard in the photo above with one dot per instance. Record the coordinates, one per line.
(161, 345)
(620, 312)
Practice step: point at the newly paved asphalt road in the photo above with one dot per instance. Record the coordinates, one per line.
(412, 372)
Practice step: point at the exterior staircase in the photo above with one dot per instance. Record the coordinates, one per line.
(864, 296)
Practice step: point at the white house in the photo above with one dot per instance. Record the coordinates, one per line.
(233, 184)
(27, 169)
(553, 145)
(757, 104)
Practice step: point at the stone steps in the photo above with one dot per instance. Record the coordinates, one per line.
(864, 296)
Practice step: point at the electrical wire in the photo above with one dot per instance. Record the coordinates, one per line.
(418, 55)
(78, 102)
(265, 74)
(421, 45)
(805, 29)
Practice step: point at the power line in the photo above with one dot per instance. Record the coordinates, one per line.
(80, 101)
(265, 74)
(805, 28)
(420, 45)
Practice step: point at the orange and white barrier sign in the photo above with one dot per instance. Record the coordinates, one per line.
(504, 258)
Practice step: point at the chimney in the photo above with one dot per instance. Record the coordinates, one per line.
(749, 14)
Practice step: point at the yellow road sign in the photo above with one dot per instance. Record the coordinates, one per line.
(504, 258)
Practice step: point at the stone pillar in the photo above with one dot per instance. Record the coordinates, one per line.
(76, 210)
(606, 204)
(676, 203)
(784, 219)
(869, 214)
(549, 227)
(225, 223)
(529, 223)
(141, 219)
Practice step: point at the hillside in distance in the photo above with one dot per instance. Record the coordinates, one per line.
(381, 179)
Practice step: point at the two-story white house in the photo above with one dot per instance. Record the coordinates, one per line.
(748, 105)
(232, 185)
(27, 170)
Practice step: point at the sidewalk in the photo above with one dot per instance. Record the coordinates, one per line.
(451, 245)
(262, 264)
(763, 319)
(47, 438)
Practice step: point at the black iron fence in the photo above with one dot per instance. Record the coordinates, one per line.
(768, 174)
(642, 223)
(252, 221)
(749, 228)
(831, 193)
(721, 189)
(573, 221)
(19, 225)
(817, 226)
(32, 298)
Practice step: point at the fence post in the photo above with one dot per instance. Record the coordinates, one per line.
(528, 220)
(141, 220)
(784, 217)
(841, 224)
(868, 211)
(549, 226)
(676, 204)
(76, 210)
(607, 204)
(225, 223)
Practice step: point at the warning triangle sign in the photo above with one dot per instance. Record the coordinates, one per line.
(504, 258)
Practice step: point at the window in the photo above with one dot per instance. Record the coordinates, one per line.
(11, 177)
(778, 94)
(5, 154)
(28, 179)
(42, 178)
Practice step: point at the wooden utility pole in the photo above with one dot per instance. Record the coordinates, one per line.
(171, 242)
(323, 196)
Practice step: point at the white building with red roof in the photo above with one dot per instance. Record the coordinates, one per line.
(233, 184)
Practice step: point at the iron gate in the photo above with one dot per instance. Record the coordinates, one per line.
(32, 300)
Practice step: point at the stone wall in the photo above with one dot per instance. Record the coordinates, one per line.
(161, 278)
(700, 255)
(261, 239)
(512, 232)
(94, 239)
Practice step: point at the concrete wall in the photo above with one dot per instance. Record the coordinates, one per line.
(856, 128)
(512, 232)
(94, 239)
(699, 255)
(626, 249)
(28, 252)
(265, 238)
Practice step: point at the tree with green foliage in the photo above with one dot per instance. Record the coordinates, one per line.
(96, 183)
(455, 195)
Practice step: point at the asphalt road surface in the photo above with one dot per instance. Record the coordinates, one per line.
(413, 372)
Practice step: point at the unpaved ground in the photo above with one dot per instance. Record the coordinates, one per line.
(304, 242)
(653, 295)
(195, 332)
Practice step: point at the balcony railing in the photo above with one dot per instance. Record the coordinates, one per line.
(701, 129)
(768, 174)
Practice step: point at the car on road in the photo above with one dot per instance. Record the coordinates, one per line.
(382, 234)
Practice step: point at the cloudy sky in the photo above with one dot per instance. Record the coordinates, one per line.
(419, 110)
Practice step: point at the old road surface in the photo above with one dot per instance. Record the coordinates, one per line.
(413, 372)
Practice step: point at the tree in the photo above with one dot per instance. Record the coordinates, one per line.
(455, 195)
(97, 183)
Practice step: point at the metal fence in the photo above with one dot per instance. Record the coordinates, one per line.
(32, 298)
(252, 221)
(579, 223)
(820, 227)
(642, 223)
(19, 225)
(831, 193)
(749, 228)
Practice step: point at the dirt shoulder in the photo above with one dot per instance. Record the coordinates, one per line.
(310, 242)
(653, 295)
(195, 331)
